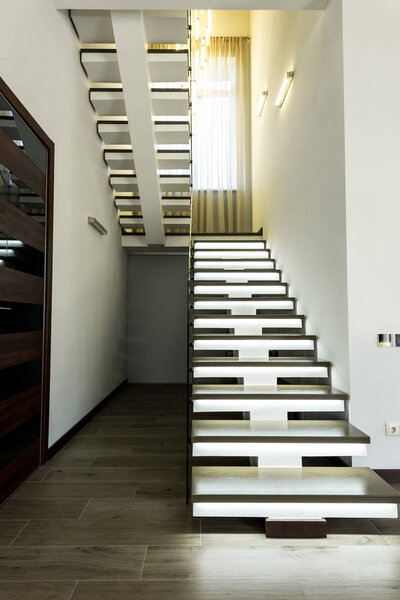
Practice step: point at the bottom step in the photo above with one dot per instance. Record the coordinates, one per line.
(308, 493)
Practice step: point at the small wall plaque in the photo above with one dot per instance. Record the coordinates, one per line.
(385, 340)
(397, 339)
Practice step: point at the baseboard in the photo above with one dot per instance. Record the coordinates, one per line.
(389, 475)
(71, 432)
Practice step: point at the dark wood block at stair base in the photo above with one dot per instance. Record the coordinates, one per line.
(17, 348)
(19, 408)
(21, 226)
(296, 529)
(16, 286)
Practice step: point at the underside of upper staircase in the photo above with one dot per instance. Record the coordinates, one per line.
(137, 65)
(268, 435)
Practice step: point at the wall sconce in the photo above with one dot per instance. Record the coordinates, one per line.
(261, 103)
(280, 99)
(97, 226)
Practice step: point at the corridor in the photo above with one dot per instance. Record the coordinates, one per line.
(106, 519)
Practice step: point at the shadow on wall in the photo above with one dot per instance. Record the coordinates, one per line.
(157, 304)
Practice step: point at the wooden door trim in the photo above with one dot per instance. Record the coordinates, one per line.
(18, 348)
(49, 145)
(15, 159)
(21, 226)
(19, 408)
(17, 286)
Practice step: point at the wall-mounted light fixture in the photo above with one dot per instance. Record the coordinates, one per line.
(97, 226)
(280, 99)
(261, 103)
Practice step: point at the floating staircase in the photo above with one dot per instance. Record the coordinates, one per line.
(142, 70)
(267, 433)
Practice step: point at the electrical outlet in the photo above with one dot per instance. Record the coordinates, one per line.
(392, 428)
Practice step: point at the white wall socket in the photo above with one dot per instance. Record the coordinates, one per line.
(392, 428)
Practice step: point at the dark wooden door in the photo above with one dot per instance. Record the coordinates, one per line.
(26, 201)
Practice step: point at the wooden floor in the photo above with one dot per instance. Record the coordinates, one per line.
(106, 519)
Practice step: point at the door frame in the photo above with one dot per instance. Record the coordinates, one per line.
(48, 144)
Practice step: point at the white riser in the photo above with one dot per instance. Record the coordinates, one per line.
(177, 222)
(259, 375)
(168, 67)
(102, 67)
(244, 307)
(165, 27)
(128, 204)
(282, 455)
(93, 26)
(226, 254)
(172, 134)
(168, 221)
(173, 160)
(226, 264)
(246, 291)
(114, 133)
(175, 184)
(124, 184)
(243, 326)
(120, 160)
(108, 104)
(296, 510)
(253, 348)
(241, 277)
(170, 103)
(267, 410)
(125, 161)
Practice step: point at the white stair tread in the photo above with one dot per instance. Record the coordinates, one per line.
(249, 318)
(93, 26)
(239, 276)
(232, 254)
(236, 266)
(282, 392)
(101, 66)
(251, 304)
(256, 338)
(276, 431)
(274, 360)
(237, 245)
(306, 484)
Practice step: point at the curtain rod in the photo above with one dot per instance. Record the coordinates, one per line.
(221, 37)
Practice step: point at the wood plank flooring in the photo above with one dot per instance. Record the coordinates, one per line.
(106, 519)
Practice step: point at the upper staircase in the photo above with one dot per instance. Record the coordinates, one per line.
(267, 429)
(138, 70)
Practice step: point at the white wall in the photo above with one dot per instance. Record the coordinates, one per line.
(230, 23)
(39, 60)
(157, 325)
(372, 117)
(298, 166)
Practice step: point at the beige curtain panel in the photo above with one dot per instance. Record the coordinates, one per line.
(221, 135)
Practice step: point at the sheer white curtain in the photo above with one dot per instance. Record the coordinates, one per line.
(221, 135)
